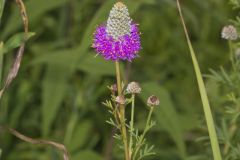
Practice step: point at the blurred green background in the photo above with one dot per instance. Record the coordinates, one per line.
(58, 92)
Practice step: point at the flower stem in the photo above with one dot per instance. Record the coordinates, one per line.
(1, 43)
(131, 125)
(206, 106)
(1, 62)
(2, 3)
(232, 58)
(141, 139)
(122, 112)
(232, 131)
(230, 49)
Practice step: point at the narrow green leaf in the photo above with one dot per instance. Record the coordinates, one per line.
(22, 93)
(54, 88)
(206, 106)
(71, 127)
(2, 4)
(16, 41)
(1, 61)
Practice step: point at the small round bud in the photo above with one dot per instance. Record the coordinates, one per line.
(229, 32)
(153, 101)
(133, 88)
(113, 88)
(120, 99)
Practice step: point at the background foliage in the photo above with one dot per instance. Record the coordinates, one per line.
(58, 92)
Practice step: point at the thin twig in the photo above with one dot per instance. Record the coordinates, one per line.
(23, 14)
(36, 141)
(17, 62)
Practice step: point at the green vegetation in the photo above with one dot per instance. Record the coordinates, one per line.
(58, 92)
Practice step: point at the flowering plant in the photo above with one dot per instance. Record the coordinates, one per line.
(119, 40)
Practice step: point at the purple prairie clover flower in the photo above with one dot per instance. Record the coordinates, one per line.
(119, 39)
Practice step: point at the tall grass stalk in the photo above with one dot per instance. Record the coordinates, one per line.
(2, 3)
(203, 93)
(1, 62)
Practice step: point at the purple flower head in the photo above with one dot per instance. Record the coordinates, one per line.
(119, 39)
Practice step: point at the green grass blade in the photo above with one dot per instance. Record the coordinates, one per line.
(1, 61)
(203, 93)
(2, 3)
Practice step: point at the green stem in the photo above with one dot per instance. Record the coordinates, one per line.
(122, 112)
(132, 125)
(139, 144)
(231, 55)
(232, 130)
(1, 62)
(2, 3)
(206, 106)
(230, 49)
